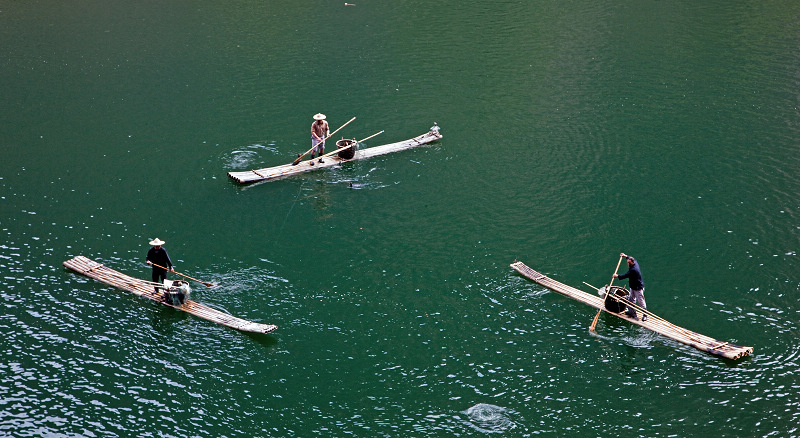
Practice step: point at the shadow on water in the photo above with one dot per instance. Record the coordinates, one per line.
(167, 321)
(163, 320)
(264, 339)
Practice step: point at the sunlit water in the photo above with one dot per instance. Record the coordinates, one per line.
(571, 133)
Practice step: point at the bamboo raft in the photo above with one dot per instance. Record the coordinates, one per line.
(100, 272)
(269, 173)
(654, 323)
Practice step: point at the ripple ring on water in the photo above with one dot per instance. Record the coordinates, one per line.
(488, 418)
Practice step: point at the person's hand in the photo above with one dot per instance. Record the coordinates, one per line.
(172, 269)
(149, 262)
(622, 254)
(615, 276)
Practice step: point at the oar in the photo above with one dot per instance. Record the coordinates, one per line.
(349, 146)
(182, 275)
(300, 157)
(365, 139)
(594, 321)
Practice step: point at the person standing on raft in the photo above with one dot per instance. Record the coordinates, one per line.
(319, 132)
(634, 276)
(158, 256)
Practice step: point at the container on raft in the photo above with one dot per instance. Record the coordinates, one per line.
(176, 292)
(350, 152)
(613, 299)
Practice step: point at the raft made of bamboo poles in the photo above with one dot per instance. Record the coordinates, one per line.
(654, 323)
(145, 289)
(284, 170)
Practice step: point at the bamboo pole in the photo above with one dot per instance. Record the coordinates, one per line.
(184, 275)
(348, 146)
(671, 326)
(300, 157)
(594, 321)
(291, 169)
(674, 328)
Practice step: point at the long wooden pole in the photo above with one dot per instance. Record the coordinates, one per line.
(300, 157)
(349, 146)
(183, 275)
(674, 327)
(688, 333)
(290, 169)
(594, 321)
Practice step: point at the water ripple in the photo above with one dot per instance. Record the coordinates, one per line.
(249, 156)
(488, 418)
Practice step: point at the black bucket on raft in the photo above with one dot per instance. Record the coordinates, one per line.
(350, 152)
(613, 303)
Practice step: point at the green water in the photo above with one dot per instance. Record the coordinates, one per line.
(572, 132)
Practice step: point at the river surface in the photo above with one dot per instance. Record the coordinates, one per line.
(573, 131)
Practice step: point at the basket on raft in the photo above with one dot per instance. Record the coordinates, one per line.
(350, 152)
(613, 301)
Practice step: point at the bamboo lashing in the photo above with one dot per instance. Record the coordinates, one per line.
(93, 268)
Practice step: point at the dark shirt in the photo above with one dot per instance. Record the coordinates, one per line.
(159, 257)
(634, 276)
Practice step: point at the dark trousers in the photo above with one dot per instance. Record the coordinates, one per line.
(159, 275)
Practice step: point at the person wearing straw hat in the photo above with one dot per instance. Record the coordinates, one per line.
(319, 132)
(634, 276)
(158, 256)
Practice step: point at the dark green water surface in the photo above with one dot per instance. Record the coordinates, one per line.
(572, 131)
